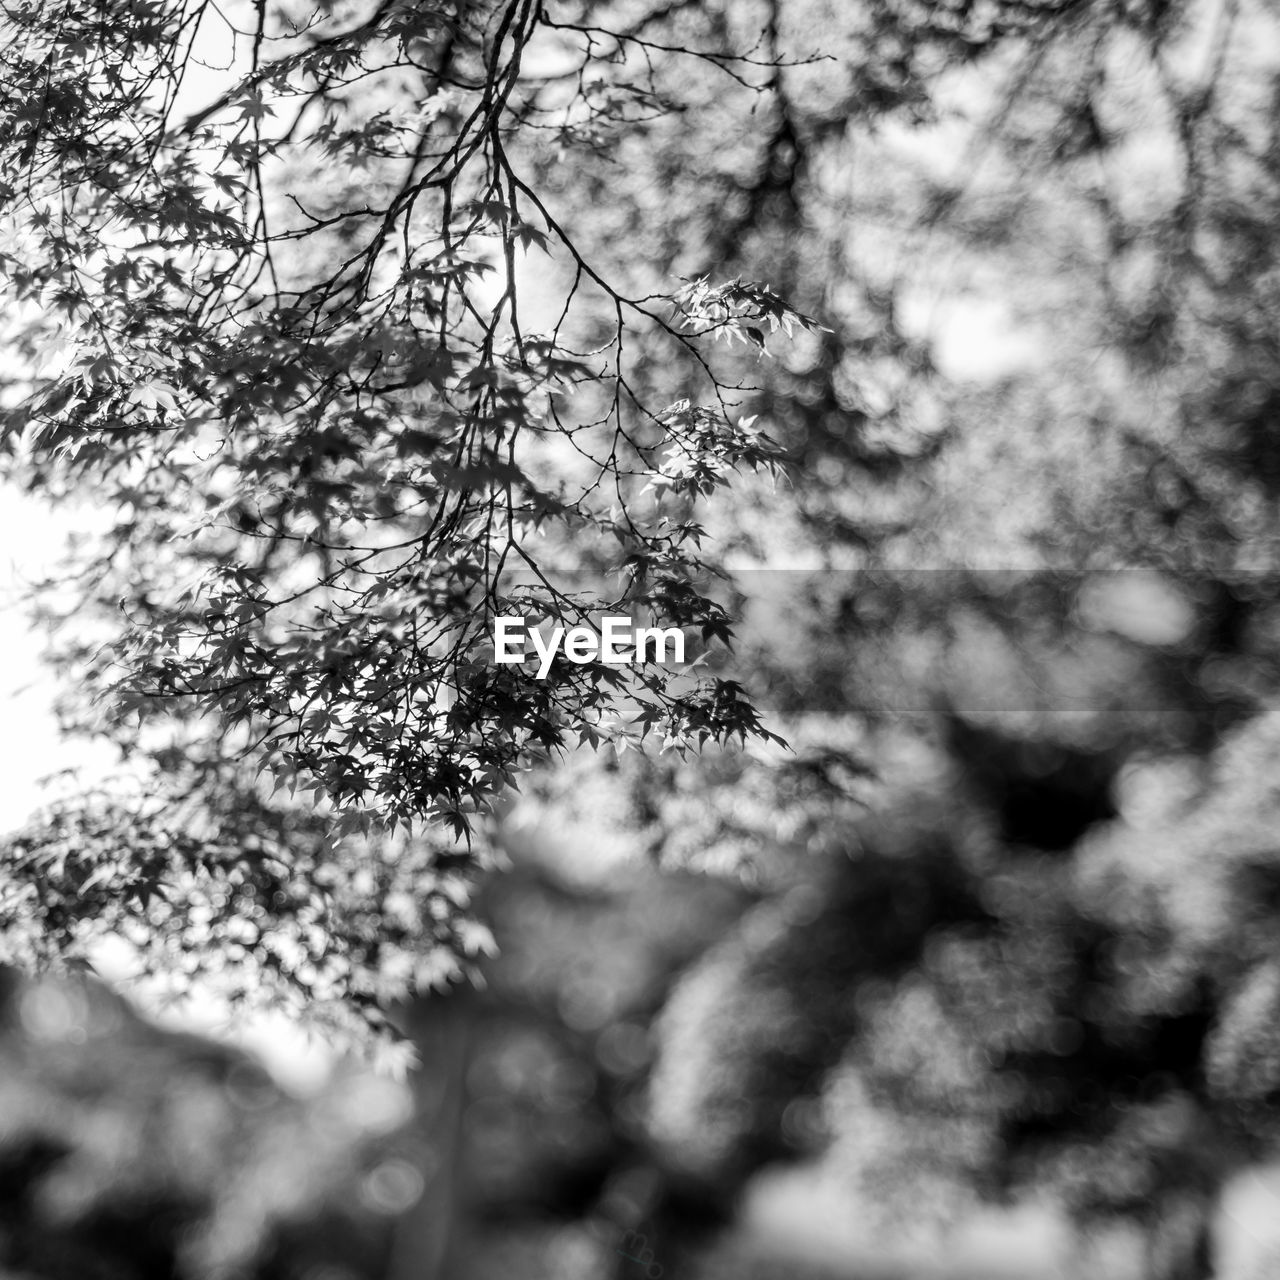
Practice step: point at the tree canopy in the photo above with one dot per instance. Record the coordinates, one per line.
(409, 317)
(298, 314)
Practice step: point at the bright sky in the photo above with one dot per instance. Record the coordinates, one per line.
(30, 537)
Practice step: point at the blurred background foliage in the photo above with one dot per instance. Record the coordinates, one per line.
(1001, 926)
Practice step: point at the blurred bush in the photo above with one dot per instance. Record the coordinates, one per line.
(128, 1151)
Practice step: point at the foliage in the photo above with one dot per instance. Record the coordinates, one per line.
(1042, 242)
(1038, 240)
(309, 335)
(132, 1152)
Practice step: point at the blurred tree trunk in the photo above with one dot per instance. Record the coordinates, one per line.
(1180, 1244)
(442, 1029)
